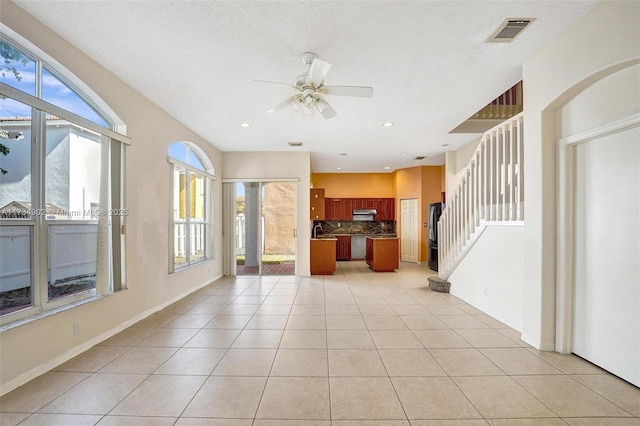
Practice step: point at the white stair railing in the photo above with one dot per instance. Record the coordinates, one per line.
(491, 189)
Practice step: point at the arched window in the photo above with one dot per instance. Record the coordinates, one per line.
(191, 178)
(60, 198)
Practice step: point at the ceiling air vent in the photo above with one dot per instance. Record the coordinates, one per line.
(419, 157)
(510, 29)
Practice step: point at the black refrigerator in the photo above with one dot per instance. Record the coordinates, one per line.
(435, 210)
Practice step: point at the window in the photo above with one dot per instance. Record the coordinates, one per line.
(60, 191)
(190, 240)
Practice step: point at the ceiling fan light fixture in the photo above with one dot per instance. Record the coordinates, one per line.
(310, 89)
(308, 110)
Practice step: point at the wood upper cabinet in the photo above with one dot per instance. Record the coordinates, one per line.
(386, 208)
(317, 204)
(338, 209)
(346, 205)
(328, 208)
(342, 208)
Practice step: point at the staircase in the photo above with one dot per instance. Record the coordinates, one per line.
(491, 190)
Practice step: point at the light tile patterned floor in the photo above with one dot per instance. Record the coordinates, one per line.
(355, 348)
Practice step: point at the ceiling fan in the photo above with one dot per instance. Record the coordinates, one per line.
(311, 89)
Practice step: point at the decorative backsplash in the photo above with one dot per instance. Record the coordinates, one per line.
(357, 227)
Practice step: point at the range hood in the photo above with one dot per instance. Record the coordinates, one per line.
(364, 214)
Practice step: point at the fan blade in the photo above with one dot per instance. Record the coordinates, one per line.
(317, 71)
(274, 82)
(359, 91)
(325, 109)
(281, 105)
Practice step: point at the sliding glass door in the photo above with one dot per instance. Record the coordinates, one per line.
(265, 231)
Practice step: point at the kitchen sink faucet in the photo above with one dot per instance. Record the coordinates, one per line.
(315, 230)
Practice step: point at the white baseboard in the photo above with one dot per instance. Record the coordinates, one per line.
(77, 350)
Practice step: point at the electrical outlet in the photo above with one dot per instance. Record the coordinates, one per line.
(76, 329)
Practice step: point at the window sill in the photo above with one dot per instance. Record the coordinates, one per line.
(193, 265)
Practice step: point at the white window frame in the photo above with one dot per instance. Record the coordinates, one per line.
(112, 155)
(208, 179)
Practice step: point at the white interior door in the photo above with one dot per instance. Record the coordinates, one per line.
(607, 253)
(409, 230)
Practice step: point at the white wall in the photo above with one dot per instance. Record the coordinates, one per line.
(279, 165)
(33, 348)
(491, 275)
(605, 40)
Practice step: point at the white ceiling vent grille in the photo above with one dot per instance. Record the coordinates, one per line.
(510, 29)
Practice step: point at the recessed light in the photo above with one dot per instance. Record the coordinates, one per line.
(404, 154)
(343, 153)
(387, 124)
(338, 168)
(297, 143)
(245, 124)
(445, 144)
(387, 167)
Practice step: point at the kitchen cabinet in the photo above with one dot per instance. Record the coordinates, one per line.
(328, 208)
(385, 208)
(382, 254)
(342, 208)
(369, 203)
(343, 247)
(346, 207)
(323, 256)
(339, 209)
(317, 204)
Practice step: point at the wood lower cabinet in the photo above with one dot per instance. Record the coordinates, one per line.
(343, 248)
(323, 256)
(382, 254)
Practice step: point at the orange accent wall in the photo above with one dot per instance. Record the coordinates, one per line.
(355, 185)
(431, 193)
(425, 184)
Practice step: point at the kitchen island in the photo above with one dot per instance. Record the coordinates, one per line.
(382, 253)
(323, 256)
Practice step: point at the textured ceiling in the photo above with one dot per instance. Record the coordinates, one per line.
(427, 61)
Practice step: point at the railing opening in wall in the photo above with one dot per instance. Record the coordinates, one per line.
(491, 189)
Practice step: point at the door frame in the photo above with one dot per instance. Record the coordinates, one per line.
(565, 219)
(229, 223)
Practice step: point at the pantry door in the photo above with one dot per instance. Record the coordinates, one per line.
(409, 230)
